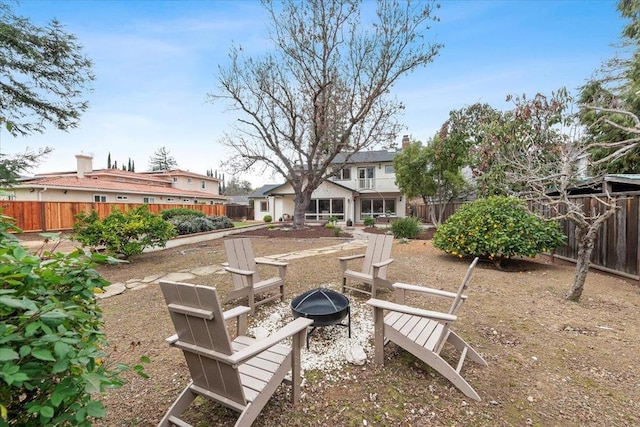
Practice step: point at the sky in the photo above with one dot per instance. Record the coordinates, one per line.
(156, 61)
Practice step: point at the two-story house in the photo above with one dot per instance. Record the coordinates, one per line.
(117, 186)
(364, 187)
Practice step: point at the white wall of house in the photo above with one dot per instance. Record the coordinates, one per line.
(69, 195)
(374, 176)
(196, 184)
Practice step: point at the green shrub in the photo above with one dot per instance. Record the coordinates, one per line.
(267, 218)
(123, 234)
(497, 228)
(369, 222)
(220, 222)
(51, 337)
(405, 228)
(167, 214)
(186, 224)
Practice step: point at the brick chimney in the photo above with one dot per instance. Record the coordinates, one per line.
(85, 164)
(406, 140)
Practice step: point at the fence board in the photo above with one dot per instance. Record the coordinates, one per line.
(60, 216)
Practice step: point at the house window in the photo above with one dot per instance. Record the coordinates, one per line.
(175, 179)
(264, 206)
(203, 184)
(389, 169)
(170, 199)
(365, 177)
(377, 207)
(343, 173)
(186, 200)
(189, 180)
(148, 200)
(323, 209)
(122, 198)
(99, 198)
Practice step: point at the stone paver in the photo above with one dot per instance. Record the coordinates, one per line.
(177, 277)
(359, 241)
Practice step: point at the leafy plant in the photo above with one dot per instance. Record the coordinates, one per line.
(187, 224)
(51, 337)
(267, 218)
(497, 228)
(123, 234)
(405, 228)
(369, 222)
(167, 214)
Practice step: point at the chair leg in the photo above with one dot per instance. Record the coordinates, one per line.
(378, 335)
(282, 292)
(460, 344)
(179, 406)
(344, 284)
(441, 365)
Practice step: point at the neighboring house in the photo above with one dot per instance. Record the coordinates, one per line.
(114, 185)
(364, 187)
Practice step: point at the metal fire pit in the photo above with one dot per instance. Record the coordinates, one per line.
(324, 306)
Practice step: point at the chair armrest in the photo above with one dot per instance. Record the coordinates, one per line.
(392, 306)
(425, 290)
(235, 312)
(350, 257)
(238, 271)
(382, 263)
(241, 312)
(290, 329)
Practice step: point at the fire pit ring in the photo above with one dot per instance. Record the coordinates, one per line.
(324, 306)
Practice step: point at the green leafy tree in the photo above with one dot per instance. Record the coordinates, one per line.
(497, 228)
(43, 77)
(53, 368)
(432, 172)
(615, 87)
(325, 88)
(123, 234)
(237, 187)
(162, 160)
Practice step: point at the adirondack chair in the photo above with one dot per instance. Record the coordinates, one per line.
(246, 280)
(242, 373)
(424, 333)
(374, 267)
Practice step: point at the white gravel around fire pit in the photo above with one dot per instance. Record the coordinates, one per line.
(330, 347)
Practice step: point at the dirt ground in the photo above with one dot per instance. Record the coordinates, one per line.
(551, 362)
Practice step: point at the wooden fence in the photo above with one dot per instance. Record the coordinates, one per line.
(616, 246)
(59, 216)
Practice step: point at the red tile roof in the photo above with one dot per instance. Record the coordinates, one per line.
(81, 184)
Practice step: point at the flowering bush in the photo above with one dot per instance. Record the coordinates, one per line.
(497, 228)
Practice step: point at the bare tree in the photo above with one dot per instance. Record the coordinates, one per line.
(547, 160)
(324, 90)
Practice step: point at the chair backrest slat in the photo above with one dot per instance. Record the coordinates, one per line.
(240, 256)
(197, 316)
(378, 249)
(457, 302)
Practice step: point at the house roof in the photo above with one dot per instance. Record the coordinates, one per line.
(263, 191)
(87, 184)
(179, 172)
(270, 189)
(367, 157)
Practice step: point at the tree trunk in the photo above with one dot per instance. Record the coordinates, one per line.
(585, 247)
(301, 203)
